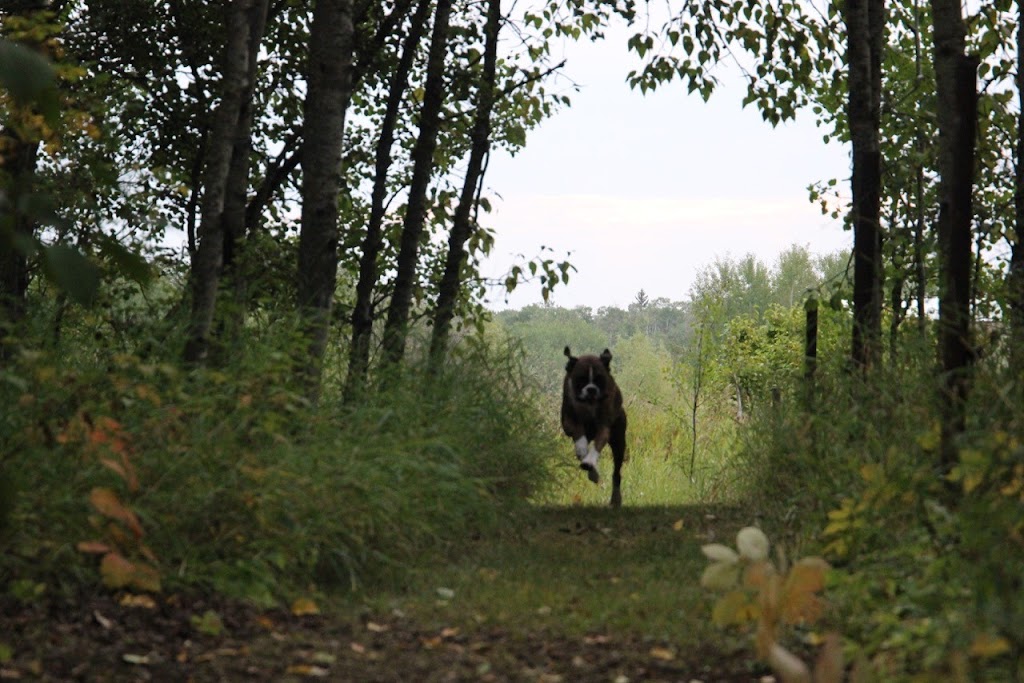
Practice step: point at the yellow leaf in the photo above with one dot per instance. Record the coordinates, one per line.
(116, 571)
(677, 525)
(720, 576)
(735, 608)
(93, 547)
(308, 670)
(304, 607)
(663, 653)
(143, 601)
(988, 645)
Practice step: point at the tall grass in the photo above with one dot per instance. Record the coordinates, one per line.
(247, 488)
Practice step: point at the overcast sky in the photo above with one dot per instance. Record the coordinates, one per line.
(644, 191)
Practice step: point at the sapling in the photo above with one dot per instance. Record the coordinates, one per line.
(757, 590)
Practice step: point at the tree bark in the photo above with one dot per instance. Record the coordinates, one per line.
(17, 173)
(396, 328)
(865, 25)
(463, 225)
(236, 198)
(329, 84)
(236, 87)
(956, 86)
(373, 241)
(1015, 274)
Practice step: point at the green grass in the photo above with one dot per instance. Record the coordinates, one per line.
(579, 570)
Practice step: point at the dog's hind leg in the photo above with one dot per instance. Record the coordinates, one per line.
(618, 444)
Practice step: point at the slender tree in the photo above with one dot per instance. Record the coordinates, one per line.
(19, 149)
(226, 174)
(864, 26)
(329, 91)
(1015, 275)
(373, 240)
(463, 223)
(956, 87)
(396, 327)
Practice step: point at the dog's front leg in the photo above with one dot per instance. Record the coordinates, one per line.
(589, 461)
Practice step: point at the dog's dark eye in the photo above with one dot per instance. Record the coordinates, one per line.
(599, 382)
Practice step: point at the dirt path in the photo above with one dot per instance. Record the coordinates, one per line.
(576, 594)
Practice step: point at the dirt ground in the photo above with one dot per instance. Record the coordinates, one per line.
(125, 638)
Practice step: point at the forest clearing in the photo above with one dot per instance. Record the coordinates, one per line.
(259, 417)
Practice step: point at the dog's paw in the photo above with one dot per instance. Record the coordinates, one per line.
(592, 473)
(581, 447)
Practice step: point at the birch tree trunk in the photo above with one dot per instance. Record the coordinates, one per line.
(206, 269)
(373, 241)
(237, 186)
(329, 84)
(396, 328)
(463, 224)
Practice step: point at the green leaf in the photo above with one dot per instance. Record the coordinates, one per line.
(29, 78)
(209, 623)
(70, 270)
(128, 263)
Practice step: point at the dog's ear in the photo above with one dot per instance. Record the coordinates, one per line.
(572, 360)
(606, 358)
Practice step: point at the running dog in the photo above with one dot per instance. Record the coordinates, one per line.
(592, 414)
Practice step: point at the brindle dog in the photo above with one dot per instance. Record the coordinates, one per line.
(592, 412)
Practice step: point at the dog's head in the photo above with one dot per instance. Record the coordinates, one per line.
(589, 377)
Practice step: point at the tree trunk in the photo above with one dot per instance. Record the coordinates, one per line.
(236, 216)
(373, 241)
(206, 269)
(17, 173)
(956, 86)
(329, 84)
(462, 225)
(864, 25)
(396, 327)
(1015, 275)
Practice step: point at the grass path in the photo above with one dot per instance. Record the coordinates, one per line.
(568, 594)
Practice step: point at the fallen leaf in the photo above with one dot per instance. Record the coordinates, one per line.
(324, 658)
(143, 601)
(304, 607)
(662, 653)
(10, 674)
(358, 648)
(677, 525)
(136, 659)
(445, 593)
(988, 645)
(431, 643)
(308, 670)
(101, 620)
(597, 639)
(374, 627)
(93, 547)
(449, 632)
(209, 623)
(265, 621)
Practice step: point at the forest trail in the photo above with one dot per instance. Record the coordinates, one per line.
(567, 594)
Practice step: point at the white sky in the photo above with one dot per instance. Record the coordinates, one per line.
(646, 190)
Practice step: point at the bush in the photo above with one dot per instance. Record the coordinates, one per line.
(238, 483)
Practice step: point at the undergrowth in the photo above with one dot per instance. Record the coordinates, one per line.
(927, 585)
(232, 480)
